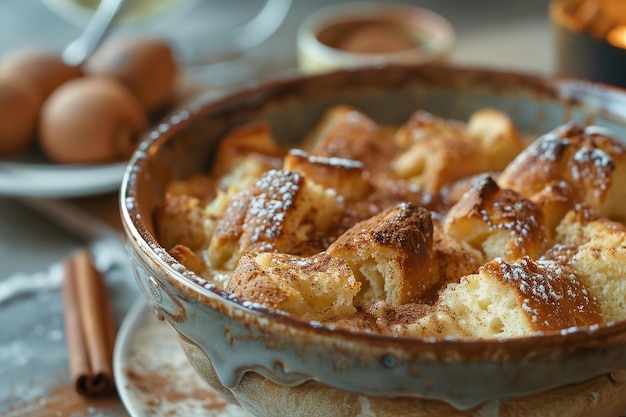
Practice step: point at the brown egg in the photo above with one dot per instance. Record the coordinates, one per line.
(91, 120)
(146, 66)
(45, 68)
(20, 102)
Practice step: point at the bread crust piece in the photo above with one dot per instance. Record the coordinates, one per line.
(249, 139)
(452, 258)
(517, 299)
(497, 137)
(596, 250)
(281, 212)
(345, 132)
(589, 159)
(390, 254)
(346, 176)
(500, 222)
(320, 287)
(181, 219)
(189, 258)
(436, 152)
(439, 151)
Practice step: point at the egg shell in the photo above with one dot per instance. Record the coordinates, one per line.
(20, 103)
(45, 68)
(91, 120)
(147, 66)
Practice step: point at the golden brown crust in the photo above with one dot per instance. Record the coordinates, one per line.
(181, 220)
(345, 132)
(320, 287)
(391, 253)
(189, 258)
(436, 152)
(254, 138)
(228, 230)
(346, 176)
(407, 234)
(550, 294)
(500, 222)
(589, 159)
(280, 212)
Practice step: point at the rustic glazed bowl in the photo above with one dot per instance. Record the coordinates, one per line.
(273, 364)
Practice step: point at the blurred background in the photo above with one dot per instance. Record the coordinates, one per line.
(509, 34)
(503, 33)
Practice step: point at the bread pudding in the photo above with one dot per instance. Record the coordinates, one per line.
(434, 229)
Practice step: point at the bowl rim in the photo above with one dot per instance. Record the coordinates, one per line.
(567, 89)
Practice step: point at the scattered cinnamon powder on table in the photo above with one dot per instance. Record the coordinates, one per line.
(159, 380)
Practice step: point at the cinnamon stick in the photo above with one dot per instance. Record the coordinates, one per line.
(89, 326)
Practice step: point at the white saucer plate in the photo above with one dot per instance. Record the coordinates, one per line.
(19, 179)
(153, 376)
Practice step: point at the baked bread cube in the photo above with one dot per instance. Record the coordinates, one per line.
(500, 222)
(281, 212)
(423, 126)
(244, 155)
(438, 152)
(596, 250)
(319, 287)
(345, 132)
(346, 176)
(390, 254)
(254, 138)
(181, 219)
(452, 258)
(555, 200)
(190, 259)
(200, 186)
(519, 298)
(496, 136)
(249, 169)
(590, 159)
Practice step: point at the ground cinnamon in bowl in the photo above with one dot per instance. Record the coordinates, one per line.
(359, 34)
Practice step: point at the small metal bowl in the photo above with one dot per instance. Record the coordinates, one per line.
(274, 364)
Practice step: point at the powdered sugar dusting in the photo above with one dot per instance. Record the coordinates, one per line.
(594, 166)
(550, 294)
(267, 210)
(508, 210)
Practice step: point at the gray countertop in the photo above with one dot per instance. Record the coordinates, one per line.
(33, 355)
